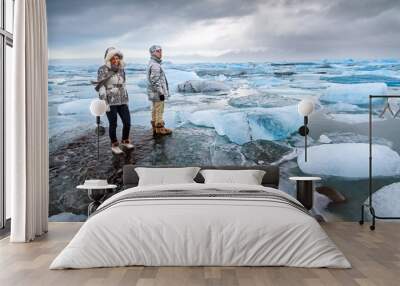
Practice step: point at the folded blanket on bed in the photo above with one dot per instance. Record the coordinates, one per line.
(207, 194)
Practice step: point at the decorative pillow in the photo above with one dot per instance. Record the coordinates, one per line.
(248, 177)
(166, 176)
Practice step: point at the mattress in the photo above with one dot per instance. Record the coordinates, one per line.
(201, 225)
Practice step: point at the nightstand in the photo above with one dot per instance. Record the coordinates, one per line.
(305, 190)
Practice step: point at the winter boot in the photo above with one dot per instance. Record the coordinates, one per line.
(161, 130)
(116, 149)
(167, 130)
(127, 144)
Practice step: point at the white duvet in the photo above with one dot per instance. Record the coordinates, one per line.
(200, 231)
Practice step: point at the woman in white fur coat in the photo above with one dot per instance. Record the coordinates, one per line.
(111, 87)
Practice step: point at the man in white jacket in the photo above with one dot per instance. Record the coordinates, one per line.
(157, 91)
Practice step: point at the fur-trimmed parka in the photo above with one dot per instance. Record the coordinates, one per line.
(113, 89)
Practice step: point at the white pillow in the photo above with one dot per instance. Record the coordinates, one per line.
(166, 176)
(248, 177)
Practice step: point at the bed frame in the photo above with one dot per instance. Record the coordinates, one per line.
(271, 178)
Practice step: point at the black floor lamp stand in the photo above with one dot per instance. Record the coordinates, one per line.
(98, 136)
(369, 205)
(303, 130)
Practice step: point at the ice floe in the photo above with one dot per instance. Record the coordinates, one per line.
(176, 77)
(386, 200)
(349, 160)
(196, 86)
(234, 125)
(221, 77)
(324, 139)
(250, 124)
(353, 93)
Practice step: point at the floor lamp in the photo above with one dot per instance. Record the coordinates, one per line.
(98, 107)
(369, 204)
(305, 108)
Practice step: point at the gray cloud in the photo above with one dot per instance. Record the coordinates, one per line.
(102, 17)
(227, 29)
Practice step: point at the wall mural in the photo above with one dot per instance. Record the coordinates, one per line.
(208, 84)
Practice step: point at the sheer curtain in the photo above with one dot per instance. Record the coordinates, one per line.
(27, 142)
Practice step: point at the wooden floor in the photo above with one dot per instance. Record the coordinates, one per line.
(375, 257)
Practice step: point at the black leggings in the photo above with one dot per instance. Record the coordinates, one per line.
(125, 115)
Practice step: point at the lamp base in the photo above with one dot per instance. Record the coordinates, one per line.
(303, 130)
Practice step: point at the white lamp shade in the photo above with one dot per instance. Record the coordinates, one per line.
(98, 107)
(305, 107)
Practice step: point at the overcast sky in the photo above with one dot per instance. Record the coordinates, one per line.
(226, 30)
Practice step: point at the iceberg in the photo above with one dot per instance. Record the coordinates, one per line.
(275, 123)
(234, 125)
(221, 77)
(175, 77)
(353, 93)
(386, 200)
(205, 118)
(350, 160)
(197, 86)
(324, 139)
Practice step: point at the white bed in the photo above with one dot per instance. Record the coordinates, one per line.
(202, 231)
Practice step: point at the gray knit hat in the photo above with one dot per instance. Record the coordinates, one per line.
(154, 48)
